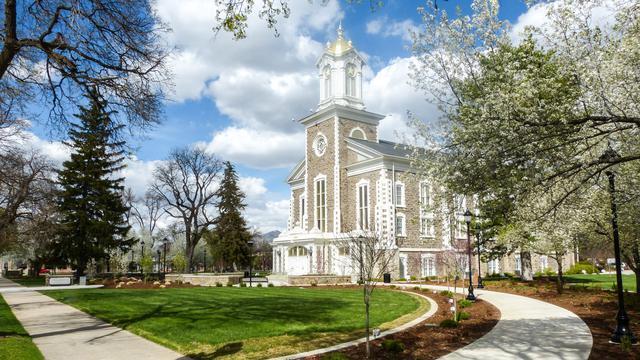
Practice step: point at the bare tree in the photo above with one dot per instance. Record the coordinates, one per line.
(54, 51)
(147, 211)
(186, 182)
(25, 178)
(371, 256)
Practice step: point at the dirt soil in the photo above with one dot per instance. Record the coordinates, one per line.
(597, 308)
(427, 340)
(133, 283)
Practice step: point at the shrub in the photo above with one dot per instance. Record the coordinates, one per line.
(463, 315)
(259, 285)
(402, 279)
(448, 324)
(447, 293)
(243, 285)
(314, 284)
(416, 288)
(229, 284)
(464, 303)
(412, 278)
(179, 262)
(218, 284)
(147, 264)
(392, 286)
(393, 346)
(579, 267)
(270, 285)
(334, 356)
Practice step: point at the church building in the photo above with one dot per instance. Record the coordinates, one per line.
(349, 179)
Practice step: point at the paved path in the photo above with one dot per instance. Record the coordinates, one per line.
(528, 329)
(433, 307)
(62, 332)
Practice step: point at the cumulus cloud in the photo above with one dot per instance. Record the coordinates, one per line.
(258, 149)
(390, 28)
(272, 215)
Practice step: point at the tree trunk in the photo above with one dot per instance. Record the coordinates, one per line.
(525, 266)
(636, 267)
(366, 306)
(560, 280)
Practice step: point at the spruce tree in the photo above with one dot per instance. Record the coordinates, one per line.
(90, 202)
(231, 231)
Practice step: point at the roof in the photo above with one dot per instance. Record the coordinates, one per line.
(340, 45)
(386, 148)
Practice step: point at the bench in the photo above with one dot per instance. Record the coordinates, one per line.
(59, 280)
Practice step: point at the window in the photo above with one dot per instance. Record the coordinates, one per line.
(321, 204)
(400, 225)
(427, 227)
(518, 263)
(544, 262)
(494, 266)
(344, 251)
(400, 194)
(327, 82)
(303, 210)
(460, 228)
(428, 265)
(425, 194)
(357, 133)
(298, 251)
(350, 80)
(363, 207)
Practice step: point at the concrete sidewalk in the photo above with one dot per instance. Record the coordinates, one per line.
(62, 332)
(528, 329)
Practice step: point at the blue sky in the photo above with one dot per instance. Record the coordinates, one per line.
(238, 97)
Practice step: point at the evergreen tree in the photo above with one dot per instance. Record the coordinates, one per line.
(231, 231)
(93, 212)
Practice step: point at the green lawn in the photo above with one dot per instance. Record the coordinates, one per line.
(29, 281)
(248, 323)
(15, 343)
(603, 281)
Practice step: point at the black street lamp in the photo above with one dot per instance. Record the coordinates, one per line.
(204, 259)
(467, 219)
(165, 242)
(250, 243)
(141, 257)
(622, 328)
(159, 261)
(480, 284)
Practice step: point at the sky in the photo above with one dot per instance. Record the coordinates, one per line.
(240, 99)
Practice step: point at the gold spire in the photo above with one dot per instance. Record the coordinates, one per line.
(340, 45)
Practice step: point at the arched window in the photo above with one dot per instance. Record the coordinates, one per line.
(327, 81)
(357, 133)
(298, 251)
(350, 80)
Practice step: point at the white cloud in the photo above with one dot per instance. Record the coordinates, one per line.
(258, 149)
(272, 215)
(389, 28)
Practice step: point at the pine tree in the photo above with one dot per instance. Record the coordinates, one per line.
(93, 221)
(231, 231)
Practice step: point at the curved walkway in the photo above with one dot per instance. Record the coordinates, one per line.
(433, 307)
(528, 329)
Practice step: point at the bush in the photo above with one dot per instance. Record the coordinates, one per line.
(270, 285)
(402, 279)
(218, 284)
(179, 262)
(147, 264)
(412, 278)
(243, 285)
(314, 284)
(463, 315)
(579, 267)
(464, 303)
(448, 324)
(447, 293)
(229, 284)
(416, 288)
(259, 285)
(392, 286)
(393, 346)
(334, 356)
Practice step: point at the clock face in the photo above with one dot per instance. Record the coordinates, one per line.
(320, 144)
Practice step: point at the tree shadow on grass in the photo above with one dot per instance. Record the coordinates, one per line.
(226, 349)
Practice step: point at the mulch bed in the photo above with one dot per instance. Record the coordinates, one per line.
(428, 340)
(597, 308)
(132, 283)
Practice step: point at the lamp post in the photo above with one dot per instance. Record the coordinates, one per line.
(159, 260)
(204, 259)
(622, 327)
(480, 284)
(165, 242)
(467, 219)
(250, 243)
(141, 257)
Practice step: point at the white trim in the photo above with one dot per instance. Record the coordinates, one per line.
(432, 257)
(404, 224)
(302, 216)
(314, 143)
(358, 128)
(336, 176)
(359, 184)
(403, 197)
(315, 202)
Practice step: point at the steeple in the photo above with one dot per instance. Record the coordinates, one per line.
(340, 72)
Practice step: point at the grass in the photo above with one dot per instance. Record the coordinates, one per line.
(29, 281)
(15, 343)
(603, 281)
(245, 323)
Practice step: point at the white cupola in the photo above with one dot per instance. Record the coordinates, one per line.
(340, 72)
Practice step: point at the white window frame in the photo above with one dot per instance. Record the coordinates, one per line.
(403, 194)
(363, 208)
(326, 74)
(302, 204)
(297, 251)
(544, 260)
(459, 228)
(320, 212)
(429, 269)
(493, 266)
(425, 204)
(518, 260)
(350, 81)
(357, 128)
(403, 222)
(432, 227)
